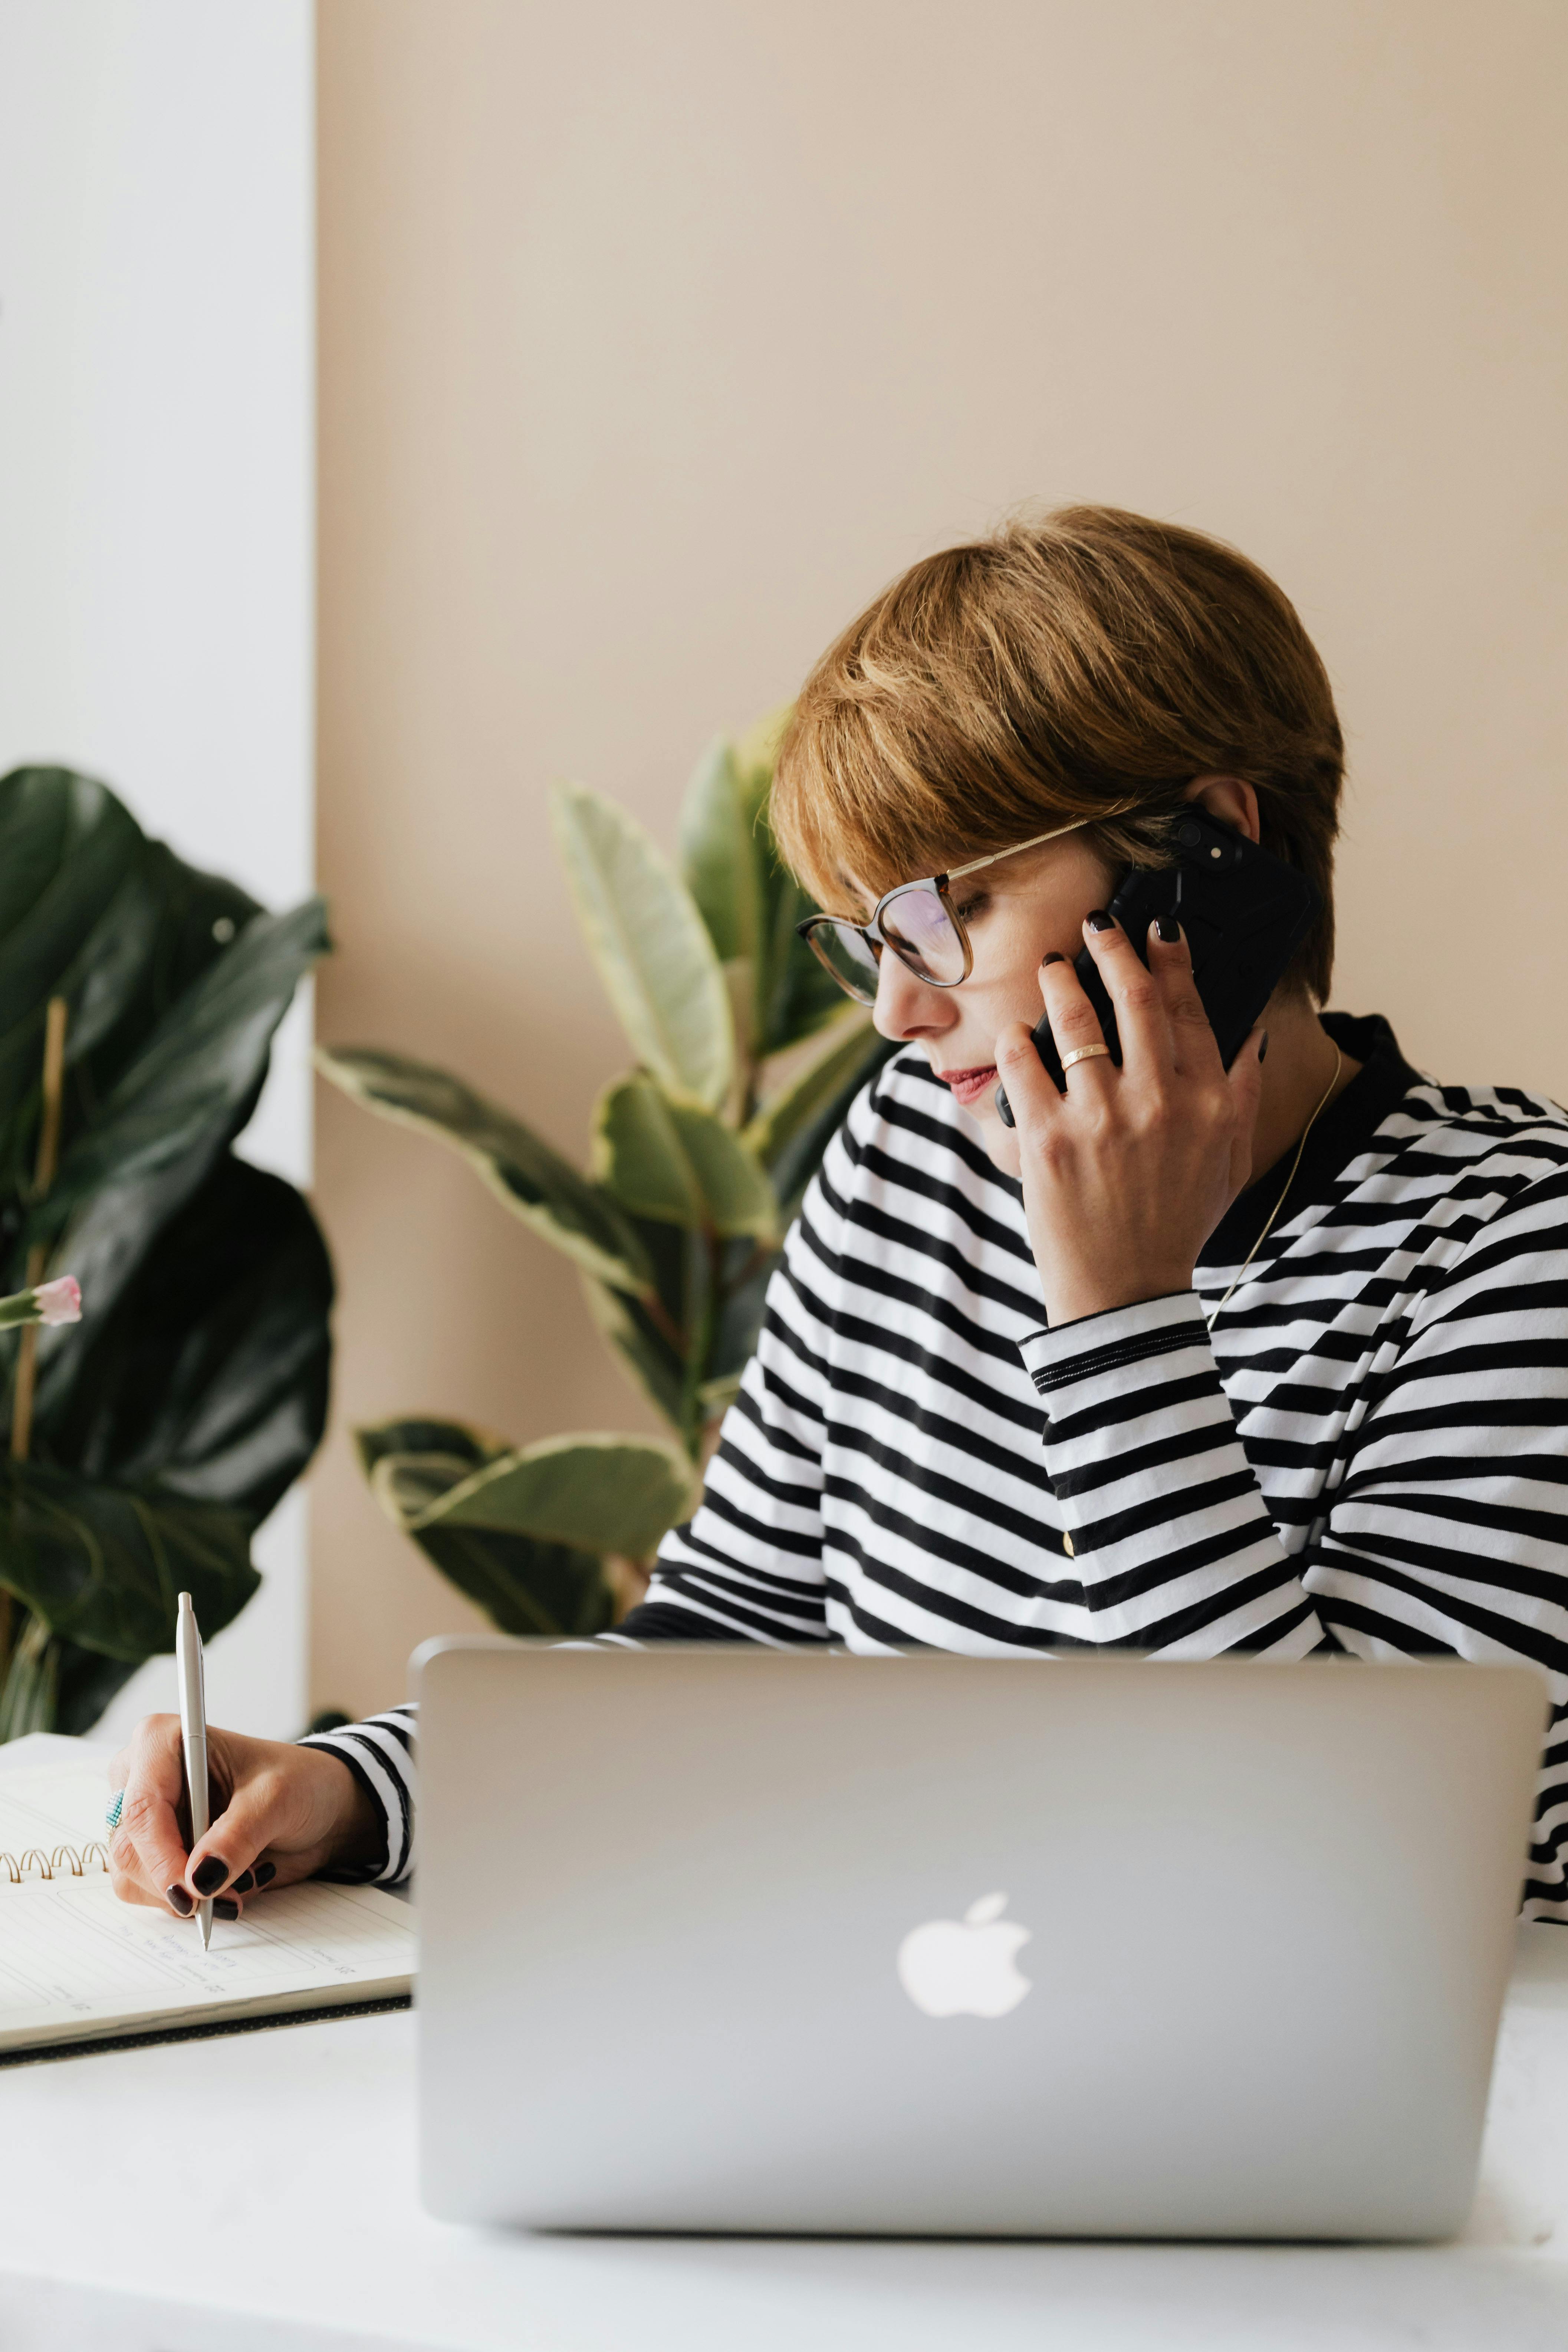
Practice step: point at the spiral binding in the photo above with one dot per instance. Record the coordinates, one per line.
(63, 1861)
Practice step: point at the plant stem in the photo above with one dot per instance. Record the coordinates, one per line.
(701, 1253)
(37, 1256)
(664, 1323)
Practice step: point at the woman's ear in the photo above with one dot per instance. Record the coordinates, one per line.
(1229, 801)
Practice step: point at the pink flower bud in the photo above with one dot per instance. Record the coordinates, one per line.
(61, 1301)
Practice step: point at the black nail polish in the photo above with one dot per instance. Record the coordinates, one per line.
(178, 1900)
(1170, 930)
(244, 1883)
(210, 1876)
(1101, 921)
(266, 1871)
(1262, 1047)
(223, 1909)
(1052, 958)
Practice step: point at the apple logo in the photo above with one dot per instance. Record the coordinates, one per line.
(952, 1968)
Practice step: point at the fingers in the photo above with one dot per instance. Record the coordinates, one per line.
(147, 1852)
(1194, 1049)
(1074, 1021)
(1031, 1095)
(1143, 1030)
(228, 1860)
(283, 1813)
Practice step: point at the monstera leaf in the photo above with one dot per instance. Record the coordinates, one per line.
(169, 1421)
(200, 1065)
(101, 1565)
(208, 1379)
(121, 930)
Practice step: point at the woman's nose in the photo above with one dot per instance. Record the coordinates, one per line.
(907, 1007)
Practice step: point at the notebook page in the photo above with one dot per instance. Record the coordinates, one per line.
(52, 1805)
(75, 1960)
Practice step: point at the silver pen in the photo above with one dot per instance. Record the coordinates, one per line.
(193, 1737)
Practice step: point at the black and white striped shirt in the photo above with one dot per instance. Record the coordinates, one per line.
(1367, 1453)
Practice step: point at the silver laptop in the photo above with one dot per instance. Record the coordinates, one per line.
(724, 1940)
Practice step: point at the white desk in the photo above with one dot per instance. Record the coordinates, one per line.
(257, 2195)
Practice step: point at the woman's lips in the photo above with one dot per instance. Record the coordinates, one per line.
(969, 1086)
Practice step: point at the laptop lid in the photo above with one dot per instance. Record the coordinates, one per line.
(744, 1939)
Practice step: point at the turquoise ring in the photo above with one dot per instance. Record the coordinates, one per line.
(111, 1810)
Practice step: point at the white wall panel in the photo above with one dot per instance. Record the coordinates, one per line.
(156, 506)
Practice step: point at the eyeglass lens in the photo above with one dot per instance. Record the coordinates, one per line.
(917, 927)
(846, 952)
(922, 934)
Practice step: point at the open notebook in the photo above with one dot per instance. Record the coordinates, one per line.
(78, 1966)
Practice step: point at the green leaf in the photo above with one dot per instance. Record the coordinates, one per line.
(209, 1376)
(162, 929)
(795, 996)
(721, 854)
(55, 1686)
(104, 1565)
(29, 1697)
(656, 1366)
(843, 1058)
(522, 1170)
(525, 1586)
(792, 995)
(740, 1318)
(600, 1494)
(85, 1682)
(462, 1442)
(67, 845)
(716, 1396)
(797, 1159)
(677, 1165)
(204, 1061)
(170, 1421)
(650, 942)
(539, 1590)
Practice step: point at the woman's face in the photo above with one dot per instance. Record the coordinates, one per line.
(1016, 912)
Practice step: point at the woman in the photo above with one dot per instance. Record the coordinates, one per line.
(1272, 1359)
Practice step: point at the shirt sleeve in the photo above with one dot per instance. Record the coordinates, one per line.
(1447, 1532)
(747, 1567)
(1171, 1537)
(379, 1752)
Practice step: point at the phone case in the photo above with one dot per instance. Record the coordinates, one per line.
(1244, 912)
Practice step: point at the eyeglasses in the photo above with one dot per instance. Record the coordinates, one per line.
(918, 920)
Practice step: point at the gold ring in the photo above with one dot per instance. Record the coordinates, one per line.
(1081, 1054)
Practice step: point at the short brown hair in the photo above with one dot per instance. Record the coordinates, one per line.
(1058, 670)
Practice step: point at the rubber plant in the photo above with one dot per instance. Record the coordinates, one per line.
(147, 1442)
(746, 1057)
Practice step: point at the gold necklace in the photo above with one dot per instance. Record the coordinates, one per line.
(1338, 1064)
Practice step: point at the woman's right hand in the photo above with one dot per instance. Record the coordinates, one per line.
(279, 1813)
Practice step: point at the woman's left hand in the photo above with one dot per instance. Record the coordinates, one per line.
(1127, 1174)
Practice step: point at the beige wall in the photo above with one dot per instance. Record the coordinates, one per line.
(653, 340)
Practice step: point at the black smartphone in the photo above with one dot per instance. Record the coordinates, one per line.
(1245, 915)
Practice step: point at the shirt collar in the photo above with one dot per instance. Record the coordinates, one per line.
(1339, 1136)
